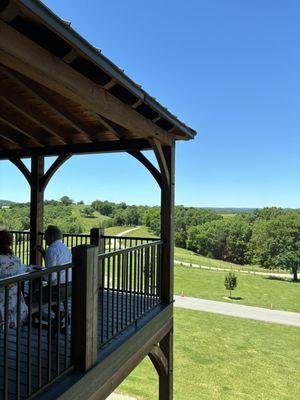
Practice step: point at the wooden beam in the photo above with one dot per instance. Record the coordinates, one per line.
(159, 360)
(83, 148)
(51, 171)
(29, 59)
(71, 56)
(22, 167)
(150, 167)
(36, 207)
(158, 150)
(9, 12)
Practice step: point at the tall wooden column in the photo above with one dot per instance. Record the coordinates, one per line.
(167, 270)
(36, 206)
(167, 226)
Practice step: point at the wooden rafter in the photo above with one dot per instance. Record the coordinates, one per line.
(22, 167)
(159, 360)
(51, 171)
(158, 150)
(17, 134)
(21, 106)
(26, 57)
(150, 167)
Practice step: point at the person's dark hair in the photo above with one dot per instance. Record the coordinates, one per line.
(54, 232)
(6, 242)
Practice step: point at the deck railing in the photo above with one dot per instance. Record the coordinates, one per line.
(112, 290)
(35, 348)
(21, 241)
(129, 287)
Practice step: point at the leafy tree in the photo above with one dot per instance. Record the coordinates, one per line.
(88, 212)
(66, 200)
(289, 260)
(230, 282)
(274, 237)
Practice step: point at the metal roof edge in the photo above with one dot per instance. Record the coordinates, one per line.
(76, 40)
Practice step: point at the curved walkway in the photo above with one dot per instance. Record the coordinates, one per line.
(237, 310)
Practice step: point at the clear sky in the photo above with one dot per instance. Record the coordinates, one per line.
(229, 69)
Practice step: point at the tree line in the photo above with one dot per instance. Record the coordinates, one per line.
(269, 237)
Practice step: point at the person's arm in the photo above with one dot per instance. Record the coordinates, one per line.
(51, 261)
(42, 251)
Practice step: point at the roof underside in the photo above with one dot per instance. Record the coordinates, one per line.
(58, 90)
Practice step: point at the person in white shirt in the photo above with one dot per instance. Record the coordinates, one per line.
(56, 253)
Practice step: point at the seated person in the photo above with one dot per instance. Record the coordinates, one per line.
(10, 265)
(56, 253)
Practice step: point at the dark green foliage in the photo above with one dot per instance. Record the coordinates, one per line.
(225, 239)
(230, 282)
(66, 201)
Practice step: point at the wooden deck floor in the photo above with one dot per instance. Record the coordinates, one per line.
(117, 311)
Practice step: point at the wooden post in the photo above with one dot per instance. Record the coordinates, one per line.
(97, 239)
(85, 307)
(36, 207)
(166, 381)
(167, 265)
(167, 234)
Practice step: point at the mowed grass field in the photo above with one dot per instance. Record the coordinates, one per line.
(258, 291)
(254, 290)
(225, 358)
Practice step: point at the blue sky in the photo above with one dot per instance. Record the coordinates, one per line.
(230, 69)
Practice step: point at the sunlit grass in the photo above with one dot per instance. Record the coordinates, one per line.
(226, 358)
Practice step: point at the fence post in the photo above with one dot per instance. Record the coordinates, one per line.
(85, 306)
(97, 239)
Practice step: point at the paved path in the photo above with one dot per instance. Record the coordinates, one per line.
(277, 275)
(237, 310)
(128, 230)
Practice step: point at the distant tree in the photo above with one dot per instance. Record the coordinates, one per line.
(80, 203)
(88, 212)
(66, 200)
(289, 260)
(230, 282)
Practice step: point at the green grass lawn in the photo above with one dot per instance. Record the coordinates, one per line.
(115, 230)
(226, 358)
(254, 290)
(189, 256)
(88, 222)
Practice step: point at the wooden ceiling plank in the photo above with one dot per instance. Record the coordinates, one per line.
(21, 137)
(49, 102)
(25, 109)
(28, 58)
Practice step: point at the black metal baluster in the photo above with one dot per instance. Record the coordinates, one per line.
(66, 308)
(5, 348)
(40, 288)
(118, 289)
(58, 326)
(29, 335)
(107, 297)
(102, 299)
(113, 295)
(18, 340)
(49, 342)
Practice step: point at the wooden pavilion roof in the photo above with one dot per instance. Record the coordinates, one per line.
(58, 92)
